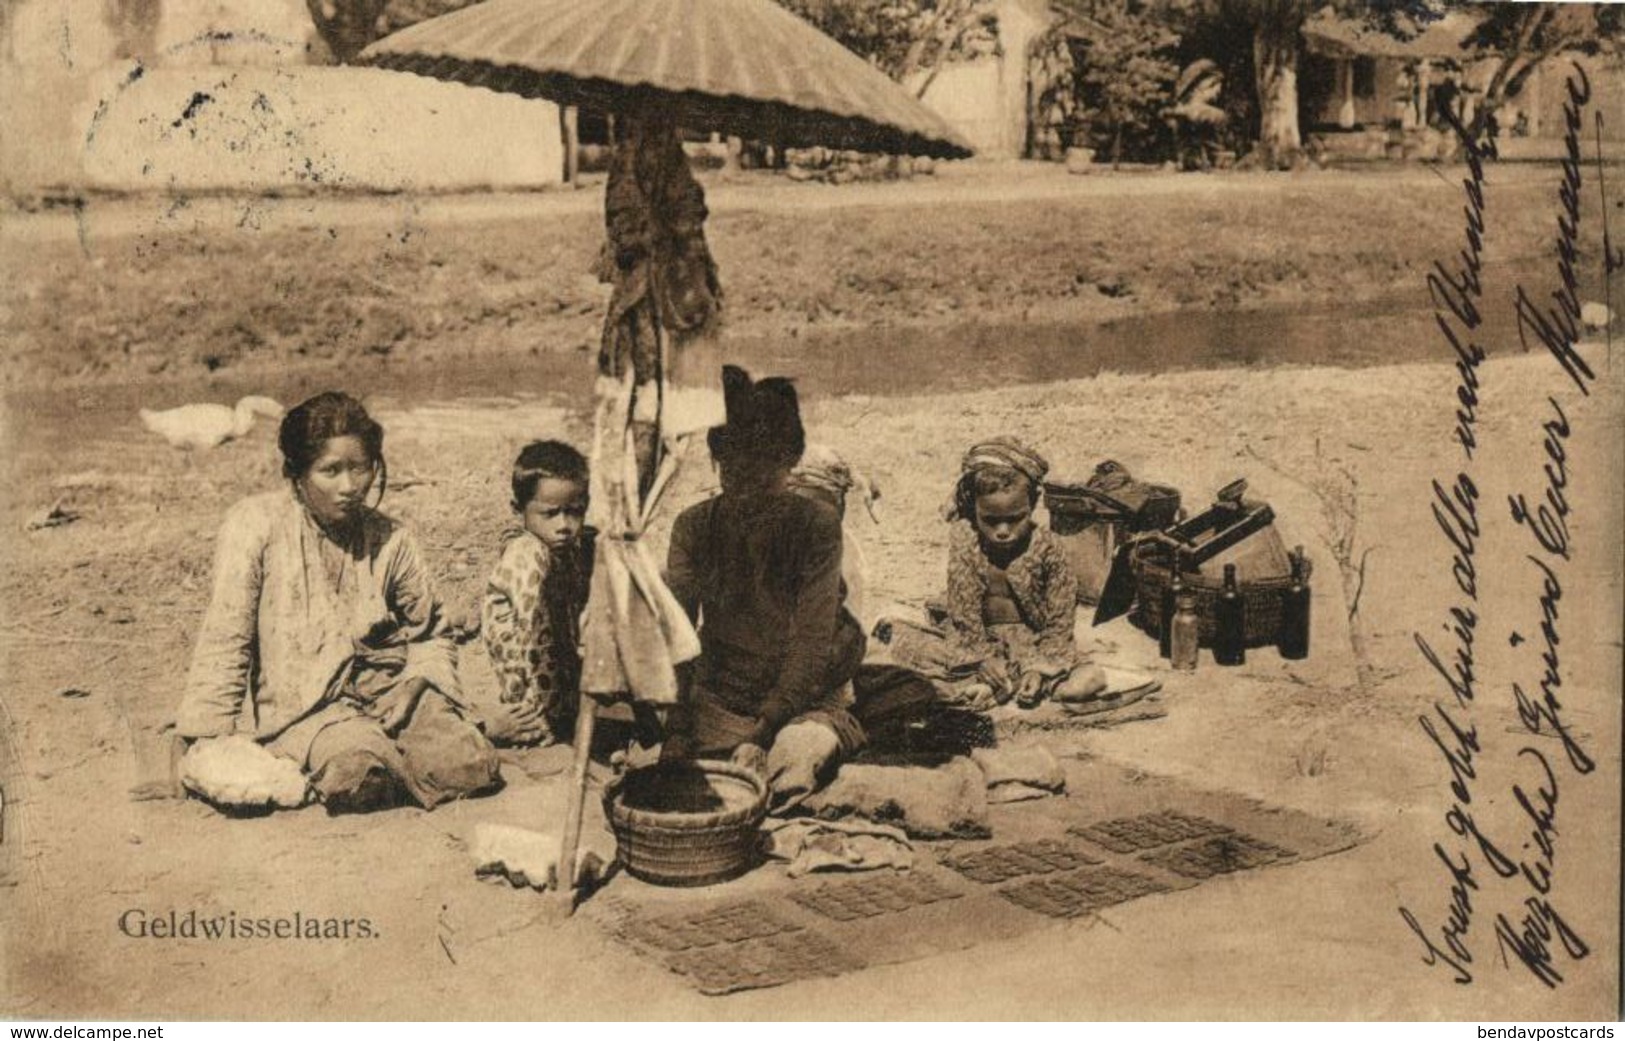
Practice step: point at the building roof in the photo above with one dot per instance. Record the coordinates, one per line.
(1334, 36)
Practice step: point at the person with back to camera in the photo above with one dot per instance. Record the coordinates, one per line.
(323, 638)
(760, 568)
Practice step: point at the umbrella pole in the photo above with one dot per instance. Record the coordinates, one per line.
(642, 448)
(574, 808)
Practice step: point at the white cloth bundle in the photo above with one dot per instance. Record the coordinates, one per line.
(238, 772)
(531, 858)
(1016, 773)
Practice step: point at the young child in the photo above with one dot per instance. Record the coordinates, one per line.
(1011, 597)
(530, 614)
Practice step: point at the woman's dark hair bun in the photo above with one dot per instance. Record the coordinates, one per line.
(309, 425)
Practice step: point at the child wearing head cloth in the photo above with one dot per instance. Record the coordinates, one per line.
(1011, 597)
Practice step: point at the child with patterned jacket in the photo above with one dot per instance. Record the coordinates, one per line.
(530, 615)
(1012, 596)
(1006, 624)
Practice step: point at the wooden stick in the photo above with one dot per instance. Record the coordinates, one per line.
(573, 809)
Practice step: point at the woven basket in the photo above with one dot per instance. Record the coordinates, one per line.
(687, 823)
(1261, 602)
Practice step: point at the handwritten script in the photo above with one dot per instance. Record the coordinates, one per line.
(1519, 858)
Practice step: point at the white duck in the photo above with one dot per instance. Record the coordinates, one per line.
(207, 426)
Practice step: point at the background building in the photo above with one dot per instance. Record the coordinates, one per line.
(137, 95)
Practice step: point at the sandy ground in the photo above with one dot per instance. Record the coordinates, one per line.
(99, 616)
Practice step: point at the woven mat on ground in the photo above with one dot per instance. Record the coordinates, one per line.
(1118, 835)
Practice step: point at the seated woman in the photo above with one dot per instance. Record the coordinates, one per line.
(887, 697)
(760, 567)
(824, 476)
(323, 637)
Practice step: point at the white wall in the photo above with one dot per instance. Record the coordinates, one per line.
(50, 52)
(257, 32)
(226, 102)
(986, 99)
(969, 96)
(249, 128)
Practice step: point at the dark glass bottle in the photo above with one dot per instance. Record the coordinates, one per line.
(1170, 601)
(1229, 623)
(1293, 639)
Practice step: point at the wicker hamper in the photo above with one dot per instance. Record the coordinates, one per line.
(1231, 532)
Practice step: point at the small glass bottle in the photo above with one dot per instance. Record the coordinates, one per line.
(1170, 597)
(1185, 633)
(1230, 623)
(1293, 639)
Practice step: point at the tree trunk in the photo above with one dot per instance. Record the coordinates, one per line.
(570, 131)
(346, 26)
(1275, 66)
(1516, 63)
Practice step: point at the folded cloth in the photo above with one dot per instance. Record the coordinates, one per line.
(1121, 682)
(926, 649)
(1017, 773)
(237, 772)
(815, 845)
(1123, 688)
(530, 858)
(926, 802)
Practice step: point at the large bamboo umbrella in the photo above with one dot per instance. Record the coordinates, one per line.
(740, 67)
(745, 67)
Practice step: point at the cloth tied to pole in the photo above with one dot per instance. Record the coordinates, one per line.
(665, 294)
(654, 256)
(635, 633)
